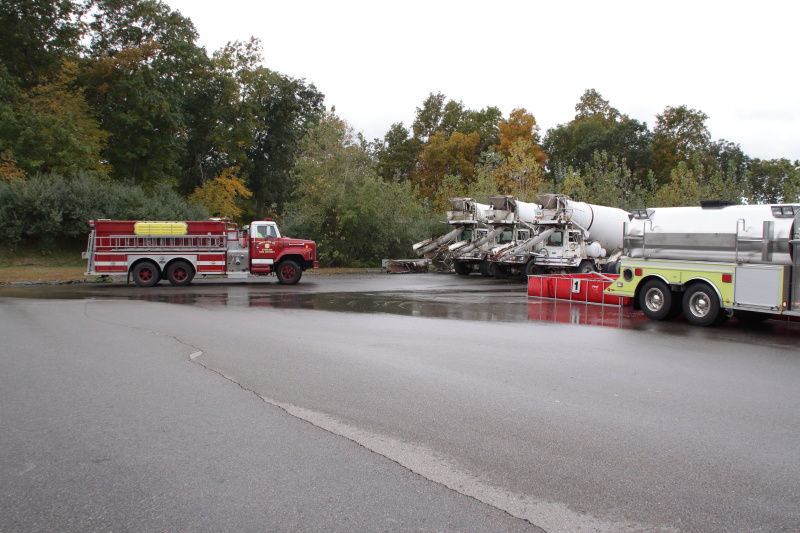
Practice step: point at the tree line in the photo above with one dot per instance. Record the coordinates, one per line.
(601, 156)
(110, 109)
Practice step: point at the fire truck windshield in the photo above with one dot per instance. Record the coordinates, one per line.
(264, 231)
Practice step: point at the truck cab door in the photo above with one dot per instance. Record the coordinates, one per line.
(263, 246)
(554, 244)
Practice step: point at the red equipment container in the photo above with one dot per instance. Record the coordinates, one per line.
(576, 287)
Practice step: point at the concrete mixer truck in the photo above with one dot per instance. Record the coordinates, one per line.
(712, 262)
(507, 222)
(465, 217)
(567, 237)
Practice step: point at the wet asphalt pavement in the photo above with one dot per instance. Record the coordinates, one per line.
(387, 403)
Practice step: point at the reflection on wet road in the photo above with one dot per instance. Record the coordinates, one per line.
(466, 305)
(442, 298)
(504, 303)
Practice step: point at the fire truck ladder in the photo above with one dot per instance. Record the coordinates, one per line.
(140, 243)
(89, 253)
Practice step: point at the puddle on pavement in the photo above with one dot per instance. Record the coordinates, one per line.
(504, 303)
(507, 304)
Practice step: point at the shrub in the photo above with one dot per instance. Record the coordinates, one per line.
(46, 210)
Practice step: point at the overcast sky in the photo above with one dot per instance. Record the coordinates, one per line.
(376, 62)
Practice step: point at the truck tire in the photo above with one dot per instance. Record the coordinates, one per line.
(586, 267)
(180, 273)
(532, 269)
(500, 271)
(701, 305)
(487, 268)
(461, 268)
(146, 274)
(288, 272)
(611, 267)
(657, 301)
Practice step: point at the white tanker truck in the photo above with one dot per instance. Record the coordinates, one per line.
(567, 237)
(712, 262)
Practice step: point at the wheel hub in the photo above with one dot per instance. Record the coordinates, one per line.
(700, 305)
(655, 300)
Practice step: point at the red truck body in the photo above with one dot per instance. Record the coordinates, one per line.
(149, 251)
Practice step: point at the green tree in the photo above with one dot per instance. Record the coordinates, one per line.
(445, 155)
(484, 184)
(37, 36)
(684, 187)
(598, 127)
(438, 115)
(142, 62)
(49, 209)
(574, 186)
(397, 154)
(49, 128)
(521, 173)
(258, 118)
(774, 180)
(355, 217)
(283, 110)
(220, 125)
(608, 181)
(593, 105)
(485, 123)
(429, 117)
(679, 133)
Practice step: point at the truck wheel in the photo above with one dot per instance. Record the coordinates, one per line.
(656, 301)
(500, 271)
(487, 268)
(146, 274)
(586, 267)
(461, 268)
(532, 269)
(288, 272)
(610, 268)
(701, 305)
(180, 273)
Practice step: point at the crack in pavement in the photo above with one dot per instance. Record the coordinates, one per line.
(547, 517)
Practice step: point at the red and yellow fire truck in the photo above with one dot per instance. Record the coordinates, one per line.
(150, 251)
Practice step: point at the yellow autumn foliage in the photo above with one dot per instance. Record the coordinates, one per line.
(520, 127)
(219, 196)
(8, 168)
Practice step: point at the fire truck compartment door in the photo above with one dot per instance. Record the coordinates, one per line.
(796, 276)
(760, 286)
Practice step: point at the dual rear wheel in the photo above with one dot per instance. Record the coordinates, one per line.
(147, 273)
(699, 303)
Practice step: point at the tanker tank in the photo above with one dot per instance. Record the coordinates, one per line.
(715, 232)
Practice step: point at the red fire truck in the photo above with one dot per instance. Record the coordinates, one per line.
(177, 251)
